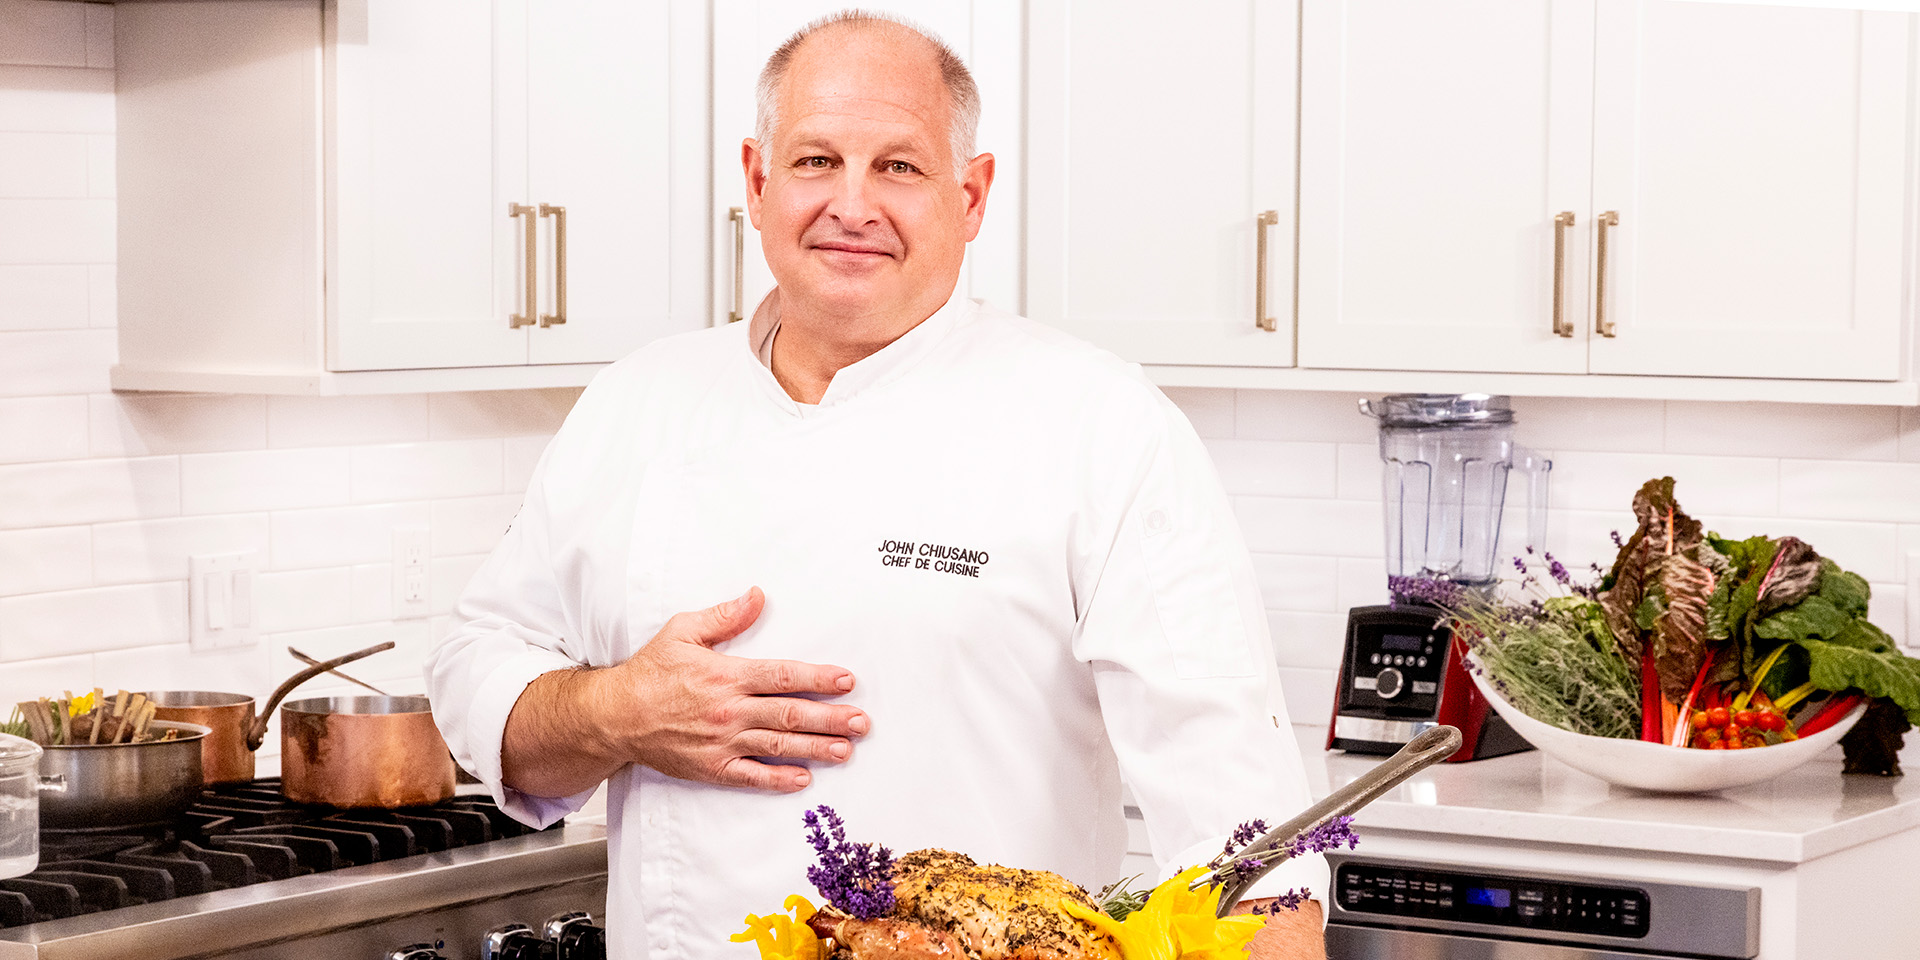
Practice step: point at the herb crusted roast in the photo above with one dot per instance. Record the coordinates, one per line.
(950, 908)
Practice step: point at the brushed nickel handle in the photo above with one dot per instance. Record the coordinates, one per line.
(559, 314)
(532, 275)
(1562, 327)
(739, 218)
(1266, 219)
(1601, 325)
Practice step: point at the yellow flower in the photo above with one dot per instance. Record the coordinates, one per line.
(1176, 924)
(80, 704)
(784, 938)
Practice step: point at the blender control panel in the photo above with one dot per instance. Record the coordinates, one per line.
(1519, 902)
(1395, 659)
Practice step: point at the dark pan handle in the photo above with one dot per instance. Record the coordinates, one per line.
(257, 734)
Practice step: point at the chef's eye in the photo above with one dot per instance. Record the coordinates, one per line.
(814, 163)
(901, 166)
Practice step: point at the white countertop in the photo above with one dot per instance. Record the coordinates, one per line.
(1808, 813)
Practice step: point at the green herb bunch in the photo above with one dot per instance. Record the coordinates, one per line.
(1552, 657)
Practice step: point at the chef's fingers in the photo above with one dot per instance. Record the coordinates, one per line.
(718, 623)
(792, 746)
(797, 715)
(747, 772)
(793, 676)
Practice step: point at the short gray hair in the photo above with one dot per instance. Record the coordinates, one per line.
(963, 96)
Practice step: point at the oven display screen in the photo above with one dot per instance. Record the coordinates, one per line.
(1495, 897)
(1400, 641)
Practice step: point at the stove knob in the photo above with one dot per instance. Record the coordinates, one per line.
(1389, 683)
(418, 951)
(575, 937)
(515, 941)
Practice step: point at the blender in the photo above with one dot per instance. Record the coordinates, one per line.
(1447, 463)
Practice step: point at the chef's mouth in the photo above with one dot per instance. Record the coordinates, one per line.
(851, 248)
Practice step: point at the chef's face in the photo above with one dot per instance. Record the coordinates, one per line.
(862, 217)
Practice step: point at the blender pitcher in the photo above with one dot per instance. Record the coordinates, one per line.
(1447, 463)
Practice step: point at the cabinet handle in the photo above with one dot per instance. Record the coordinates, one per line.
(532, 275)
(1601, 325)
(559, 314)
(739, 218)
(1562, 327)
(1266, 219)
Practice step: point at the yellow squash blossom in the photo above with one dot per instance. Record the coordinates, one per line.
(1176, 924)
(781, 937)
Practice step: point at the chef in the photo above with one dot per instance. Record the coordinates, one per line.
(949, 571)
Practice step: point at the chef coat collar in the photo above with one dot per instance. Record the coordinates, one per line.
(883, 366)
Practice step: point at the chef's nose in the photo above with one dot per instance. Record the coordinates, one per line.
(852, 203)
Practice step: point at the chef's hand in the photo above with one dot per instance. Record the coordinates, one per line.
(684, 710)
(1289, 935)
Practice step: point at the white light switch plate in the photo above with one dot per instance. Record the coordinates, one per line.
(220, 600)
(411, 564)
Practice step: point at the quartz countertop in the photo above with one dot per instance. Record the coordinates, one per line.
(1810, 812)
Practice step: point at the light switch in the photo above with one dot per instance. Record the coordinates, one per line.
(220, 600)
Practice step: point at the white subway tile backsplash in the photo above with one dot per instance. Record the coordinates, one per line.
(1299, 583)
(178, 667)
(138, 424)
(500, 413)
(43, 33)
(343, 536)
(147, 550)
(42, 428)
(1784, 430)
(1274, 468)
(1307, 639)
(303, 599)
(338, 421)
(1359, 470)
(56, 230)
(262, 480)
(1887, 609)
(402, 663)
(44, 363)
(103, 295)
(1290, 415)
(522, 455)
(43, 296)
(102, 165)
(1705, 486)
(88, 491)
(1209, 410)
(372, 592)
(43, 164)
(1336, 528)
(1591, 425)
(44, 559)
(1880, 492)
(473, 524)
(48, 677)
(1309, 693)
(447, 579)
(56, 99)
(85, 621)
(1362, 583)
(419, 471)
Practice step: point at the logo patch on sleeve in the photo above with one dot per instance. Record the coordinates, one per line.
(939, 558)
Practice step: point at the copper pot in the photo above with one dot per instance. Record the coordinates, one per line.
(226, 754)
(363, 752)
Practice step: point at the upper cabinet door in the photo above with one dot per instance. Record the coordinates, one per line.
(1157, 141)
(986, 34)
(421, 252)
(1439, 142)
(601, 84)
(1756, 159)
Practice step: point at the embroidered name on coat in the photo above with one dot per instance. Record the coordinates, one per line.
(940, 558)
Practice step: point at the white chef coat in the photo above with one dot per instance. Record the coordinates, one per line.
(1013, 540)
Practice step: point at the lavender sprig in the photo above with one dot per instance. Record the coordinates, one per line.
(1425, 590)
(1241, 858)
(856, 878)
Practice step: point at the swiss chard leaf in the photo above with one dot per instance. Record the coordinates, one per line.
(1877, 673)
(1745, 555)
(1793, 576)
(1848, 591)
(1812, 618)
(1680, 632)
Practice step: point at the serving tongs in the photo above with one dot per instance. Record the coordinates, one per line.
(1424, 750)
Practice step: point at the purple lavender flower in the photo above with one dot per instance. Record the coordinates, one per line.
(1424, 590)
(1617, 542)
(1520, 564)
(1558, 571)
(1244, 834)
(1291, 900)
(857, 878)
(1329, 834)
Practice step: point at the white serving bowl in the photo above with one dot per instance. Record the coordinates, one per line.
(1657, 766)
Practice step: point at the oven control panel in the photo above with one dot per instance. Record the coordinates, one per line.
(1518, 902)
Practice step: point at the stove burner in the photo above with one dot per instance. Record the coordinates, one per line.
(235, 836)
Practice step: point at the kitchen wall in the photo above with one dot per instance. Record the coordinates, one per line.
(103, 496)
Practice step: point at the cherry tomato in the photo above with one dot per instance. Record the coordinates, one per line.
(1730, 743)
(1771, 721)
(1710, 734)
(1744, 718)
(1754, 740)
(1719, 745)
(1717, 716)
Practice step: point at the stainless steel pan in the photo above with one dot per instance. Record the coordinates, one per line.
(111, 786)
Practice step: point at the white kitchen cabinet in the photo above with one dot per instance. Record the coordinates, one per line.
(1157, 140)
(1745, 167)
(315, 196)
(987, 34)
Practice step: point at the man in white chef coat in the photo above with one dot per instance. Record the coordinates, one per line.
(1013, 543)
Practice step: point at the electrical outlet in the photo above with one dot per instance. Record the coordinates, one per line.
(410, 566)
(220, 600)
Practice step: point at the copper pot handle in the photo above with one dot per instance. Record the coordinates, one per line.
(257, 731)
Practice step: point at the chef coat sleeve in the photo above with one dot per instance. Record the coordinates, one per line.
(508, 628)
(1173, 626)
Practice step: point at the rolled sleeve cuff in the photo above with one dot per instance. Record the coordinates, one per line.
(487, 727)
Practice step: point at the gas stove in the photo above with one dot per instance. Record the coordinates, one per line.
(247, 874)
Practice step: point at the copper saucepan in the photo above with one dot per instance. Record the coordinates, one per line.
(226, 754)
(363, 752)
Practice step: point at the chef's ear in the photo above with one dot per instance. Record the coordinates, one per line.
(754, 165)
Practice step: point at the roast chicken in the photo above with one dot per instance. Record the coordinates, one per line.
(946, 907)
